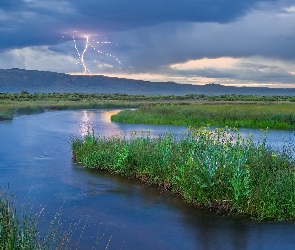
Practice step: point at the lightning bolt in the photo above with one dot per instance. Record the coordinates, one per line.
(82, 56)
(87, 45)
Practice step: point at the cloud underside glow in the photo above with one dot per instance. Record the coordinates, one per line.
(254, 71)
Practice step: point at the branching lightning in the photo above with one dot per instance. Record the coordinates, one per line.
(86, 46)
(82, 56)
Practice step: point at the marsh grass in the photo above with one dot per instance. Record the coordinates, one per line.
(6, 113)
(271, 115)
(191, 109)
(18, 231)
(218, 170)
(19, 228)
(9, 109)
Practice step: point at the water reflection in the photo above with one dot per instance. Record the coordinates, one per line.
(106, 116)
(100, 121)
(85, 123)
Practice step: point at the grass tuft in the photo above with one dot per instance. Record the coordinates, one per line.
(19, 228)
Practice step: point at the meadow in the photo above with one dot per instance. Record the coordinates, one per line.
(192, 109)
(9, 110)
(26, 103)
(216, 170)
(12, 104)
(235, 114)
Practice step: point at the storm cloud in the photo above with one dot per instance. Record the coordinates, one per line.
(32, 22)
(151, 36)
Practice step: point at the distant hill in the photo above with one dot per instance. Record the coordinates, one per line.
(33, 81)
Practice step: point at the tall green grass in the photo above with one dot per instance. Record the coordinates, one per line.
(218, 170)
(6, 113)
(19, 228)
(16, 231)
(279, 116)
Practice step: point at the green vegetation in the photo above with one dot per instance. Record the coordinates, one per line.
(19, 228)
(218, 170)
(15, 234)
(258, 115)
(26, 103)
(9, 110)
(26, 96)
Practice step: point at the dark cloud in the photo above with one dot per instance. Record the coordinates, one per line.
(34, 22)
(257, 34)
(130, 14)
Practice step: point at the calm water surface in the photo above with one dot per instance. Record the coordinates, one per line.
(36, 163)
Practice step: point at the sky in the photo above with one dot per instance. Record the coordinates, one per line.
(229, 42)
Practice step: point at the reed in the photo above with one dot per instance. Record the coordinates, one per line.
(19, 228)
(218, 170)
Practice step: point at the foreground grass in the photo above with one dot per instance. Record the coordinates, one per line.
(14, 233)
(19, 228)
(217, 170)
(255, 115)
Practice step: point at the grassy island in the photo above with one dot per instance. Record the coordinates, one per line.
(217, 170)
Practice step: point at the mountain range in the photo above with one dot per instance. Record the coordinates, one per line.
(34, 81)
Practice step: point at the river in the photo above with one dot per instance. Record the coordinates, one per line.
(36, 164)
